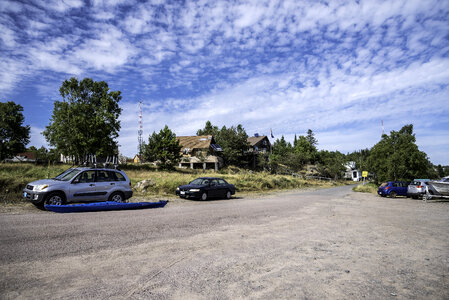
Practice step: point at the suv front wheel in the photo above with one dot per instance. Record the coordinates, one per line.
(55, 198)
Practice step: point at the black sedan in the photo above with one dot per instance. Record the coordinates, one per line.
(206, 187)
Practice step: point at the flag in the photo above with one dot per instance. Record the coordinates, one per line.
(272, 136)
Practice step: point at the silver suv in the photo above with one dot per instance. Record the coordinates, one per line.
(417, 188)
(78, 185)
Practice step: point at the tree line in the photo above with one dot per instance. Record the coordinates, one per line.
(86, 122)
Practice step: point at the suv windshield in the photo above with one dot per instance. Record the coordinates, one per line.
(67, 175)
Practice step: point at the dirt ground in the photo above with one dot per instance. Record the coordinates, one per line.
(323, 244)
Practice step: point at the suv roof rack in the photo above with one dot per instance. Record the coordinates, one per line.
(90, 161)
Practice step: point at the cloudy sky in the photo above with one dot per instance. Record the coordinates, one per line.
(336, 67)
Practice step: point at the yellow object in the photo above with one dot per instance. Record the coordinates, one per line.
(365, 174)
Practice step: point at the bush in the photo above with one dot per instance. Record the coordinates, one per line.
(367, 188)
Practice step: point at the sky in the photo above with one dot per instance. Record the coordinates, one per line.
(339, 68)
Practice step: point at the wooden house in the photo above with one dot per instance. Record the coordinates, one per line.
(200, 152)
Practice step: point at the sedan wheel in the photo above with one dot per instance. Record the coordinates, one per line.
(204, 196)
(393, 194)
(54, 199)
(228, 195)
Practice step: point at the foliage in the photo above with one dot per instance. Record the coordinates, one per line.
(331, 163)
(13, 136)
(44, 155)
(163, 147)
(13, 178)
(442, 171)
(86, 121)
(360, 158)
(208, 129)
(288, 158)
(397, 157)
(233, 141)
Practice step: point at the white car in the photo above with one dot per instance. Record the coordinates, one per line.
(79, 185)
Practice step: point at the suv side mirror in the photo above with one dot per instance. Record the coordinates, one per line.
(76, 180)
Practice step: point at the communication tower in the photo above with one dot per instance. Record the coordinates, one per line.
(140, 131)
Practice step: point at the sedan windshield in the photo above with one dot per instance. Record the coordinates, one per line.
(200, 181)
(67, 175)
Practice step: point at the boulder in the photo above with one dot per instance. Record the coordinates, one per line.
(143, 185)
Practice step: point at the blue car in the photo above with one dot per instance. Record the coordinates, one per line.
(393, 189)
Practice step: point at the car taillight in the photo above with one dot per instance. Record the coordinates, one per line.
(419, 186)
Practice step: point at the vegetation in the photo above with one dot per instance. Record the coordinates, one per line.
(163, 148)
(14, 177)
(233, 141)
(397, 157)
(13, 135)
(86, 121)
(367, 188)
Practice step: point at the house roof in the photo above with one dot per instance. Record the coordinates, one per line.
(254, 140)
(28, 155)
(195, 142)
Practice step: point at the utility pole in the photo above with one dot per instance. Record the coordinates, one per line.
(139, 132)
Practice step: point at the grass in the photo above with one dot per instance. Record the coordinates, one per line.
(367, 188)
(14, 177)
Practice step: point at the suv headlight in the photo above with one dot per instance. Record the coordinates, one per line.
(40, 187)
(177, 188)
(194, 190)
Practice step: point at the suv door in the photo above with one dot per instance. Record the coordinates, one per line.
(105, 183)
(83, 187)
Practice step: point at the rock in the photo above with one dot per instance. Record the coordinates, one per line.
(143, 185)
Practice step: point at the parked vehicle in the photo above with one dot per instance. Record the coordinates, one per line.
(80, 184)
(417, 188)
(206, 187)
(438, 189)
(393, 189)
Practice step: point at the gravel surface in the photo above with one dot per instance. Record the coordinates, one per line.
(322, 244)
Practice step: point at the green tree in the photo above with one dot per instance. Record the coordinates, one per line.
(233, 141)
(209, 129)
(331, 163)
(360, 158)
(397, 157)
(164, 148)
(13, 135)
(311, 138)
(307, 152)
(86, 120)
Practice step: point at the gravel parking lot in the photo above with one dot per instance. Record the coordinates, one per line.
(314, 244)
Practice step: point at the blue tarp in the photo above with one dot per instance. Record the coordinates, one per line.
(99, 206)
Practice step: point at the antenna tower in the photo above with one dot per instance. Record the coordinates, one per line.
(383, 131)
(140, 131)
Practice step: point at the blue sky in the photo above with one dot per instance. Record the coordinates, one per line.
(337, 67)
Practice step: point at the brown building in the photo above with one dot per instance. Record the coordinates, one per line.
(200, 152)
(259, 144)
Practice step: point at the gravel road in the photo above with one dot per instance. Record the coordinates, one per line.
(322, 244)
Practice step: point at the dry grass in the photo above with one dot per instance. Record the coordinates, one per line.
(367, 188)
(14, 177)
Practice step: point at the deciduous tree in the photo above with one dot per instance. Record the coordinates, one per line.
(397, 157)
(86, 120)
(13, 135)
